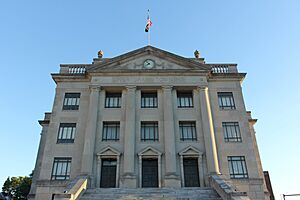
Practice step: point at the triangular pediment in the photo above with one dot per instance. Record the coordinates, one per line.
(190, 151)
(109, 151)
(135, 60)
(149, 151)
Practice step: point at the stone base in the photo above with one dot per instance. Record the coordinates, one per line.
(172, 181)
(128, 181)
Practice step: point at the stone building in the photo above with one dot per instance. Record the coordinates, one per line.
(148, 119)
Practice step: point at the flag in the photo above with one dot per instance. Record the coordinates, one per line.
(148, 25)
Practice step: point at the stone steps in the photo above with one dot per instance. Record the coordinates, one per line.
(151, 194)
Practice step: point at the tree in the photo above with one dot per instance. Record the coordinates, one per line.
(17, 187)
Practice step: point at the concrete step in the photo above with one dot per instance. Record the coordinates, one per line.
(151, 194)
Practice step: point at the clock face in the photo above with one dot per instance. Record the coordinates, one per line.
(148, 64)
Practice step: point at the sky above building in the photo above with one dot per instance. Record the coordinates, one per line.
(262, 37)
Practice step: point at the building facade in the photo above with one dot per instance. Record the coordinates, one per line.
(148, 118)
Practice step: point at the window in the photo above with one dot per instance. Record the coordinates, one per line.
(111, 131)
(66, 133)
(149, 100)
(226, 101)
(231, 132)
(71, 101)
(237, 167)
(113, 100)
(149, 131)
(61, 169)
(187, 131)
(184, 99)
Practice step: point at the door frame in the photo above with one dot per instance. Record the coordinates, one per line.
(108, 153)
(192, 152)
(150, 152)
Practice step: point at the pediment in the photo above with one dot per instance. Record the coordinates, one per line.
(134, 60)
(190, 151)
(149, 151)
(109, 151)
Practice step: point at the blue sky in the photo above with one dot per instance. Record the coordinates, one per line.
(262, 36)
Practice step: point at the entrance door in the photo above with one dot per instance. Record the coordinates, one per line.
(149, 173)
(191, 173)
(108, 173)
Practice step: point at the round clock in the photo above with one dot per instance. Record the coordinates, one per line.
(148, 64)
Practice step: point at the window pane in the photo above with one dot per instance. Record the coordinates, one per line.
(110, 131)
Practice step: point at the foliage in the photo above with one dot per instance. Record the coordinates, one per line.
(17, 187)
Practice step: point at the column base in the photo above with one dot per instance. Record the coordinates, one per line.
(128, 181)
(172, 181)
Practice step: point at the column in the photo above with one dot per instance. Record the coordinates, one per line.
(182, 171)
(209, 134)
(91, 127)
(98, 171)
(129, 139)
(200, 169)
(171, 179)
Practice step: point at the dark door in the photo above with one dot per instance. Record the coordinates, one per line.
(191, 173)
(108, 173)
(149, 173)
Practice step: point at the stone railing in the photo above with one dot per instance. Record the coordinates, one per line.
(72, 69)
(223, 69)
(77, 188)
(225, 190)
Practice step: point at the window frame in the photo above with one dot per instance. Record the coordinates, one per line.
(149, 97)
(69, 98)
(237, 167)
(226, 101)
(112, 97)
(114, 127)
(185, 99)
(61, 133)
(67, 169)
(151, 125)
(193, 131)
(229, 134)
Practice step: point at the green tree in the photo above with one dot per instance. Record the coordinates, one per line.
(17, 187)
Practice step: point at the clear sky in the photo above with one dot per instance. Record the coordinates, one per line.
(262, 36)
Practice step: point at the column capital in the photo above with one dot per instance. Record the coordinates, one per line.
(202, 88)
(167, 87)
(130, 87)
(95, 88)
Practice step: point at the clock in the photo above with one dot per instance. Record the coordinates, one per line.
(149, 64)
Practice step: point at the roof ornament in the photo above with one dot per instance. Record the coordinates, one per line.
(100, 54)
(197, 54)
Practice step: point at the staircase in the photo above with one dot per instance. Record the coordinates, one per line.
(151, 194)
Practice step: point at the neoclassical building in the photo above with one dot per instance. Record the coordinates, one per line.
(148, 119)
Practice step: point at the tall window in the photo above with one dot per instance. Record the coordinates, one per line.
(66, 133)
(231, 132)
(226, 101)
(149, 131)
(184, 99)
(61, 169)
(71, 101)
(149, 100)
(187, 131)
(111, 131)
(237, 167)
(113, 100)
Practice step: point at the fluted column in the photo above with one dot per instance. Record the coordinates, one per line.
(209, 134)
(169, 138)
(91, 127)
(129, 135)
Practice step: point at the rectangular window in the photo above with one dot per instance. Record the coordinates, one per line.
(113, 100)
(111, 131)
(149, 131)
(226, 101)
(61, 169)
(66, 133)
(237, 167)
(231, 132)
(184, 99)
(71, 101)
(187, 131)
(149, 99)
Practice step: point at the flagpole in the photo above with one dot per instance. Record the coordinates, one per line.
(149, 29)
